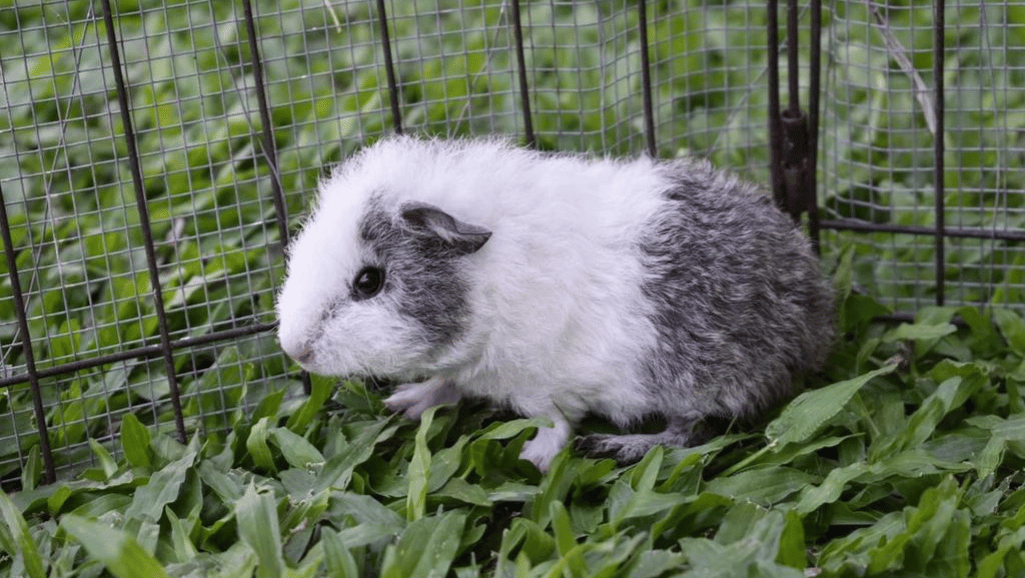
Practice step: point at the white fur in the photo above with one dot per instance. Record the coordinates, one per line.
(559, 322)
(413, 399)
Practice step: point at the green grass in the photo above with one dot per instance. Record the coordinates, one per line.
(908, 463)
(904, 459)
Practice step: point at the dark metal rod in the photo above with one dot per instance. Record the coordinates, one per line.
(775, 127)
(389, 67)
(146, 351)
(939, 23)
(793, 61)
(905, 317)
(649, 109)
(960, 232)
(521, 65)
(32, 376)
(814, 81)
(144, 222)
(269, 147)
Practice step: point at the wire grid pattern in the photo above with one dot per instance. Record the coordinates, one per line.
(878, 160)
(208, 178)
(75, 223)
(721, 115)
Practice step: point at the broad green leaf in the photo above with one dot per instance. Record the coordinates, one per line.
(843, 277)
(830, 489)
(1008, 543)
(17, 541)
(364, 510)
(764, 486)
(107, 463)
(625, 503)
(320, 392)
(537, 544)
(337, 471)
(135, 441)
(463, 491)
(258, 526)
(269, 404)
(921, 424)
(1001, 432)
(554, 487)
(256, 443)
(120, 553)
(919, 332)
(184, 549)
(565, 540)
(811, 410)
(227, 486)
(297, 451)
(792, 548)
(445, 463)
(748, 557)
(162, 488)
(740, 521)
(339, 560)
(1012, 326)
(645, 473)
(853, 550)
(513, 428)
(427, 547)
(858, 310)
(925, 527)
(32, 471)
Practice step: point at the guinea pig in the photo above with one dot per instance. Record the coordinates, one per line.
(556, 285)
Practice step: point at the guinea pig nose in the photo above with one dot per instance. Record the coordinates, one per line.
(303, 355)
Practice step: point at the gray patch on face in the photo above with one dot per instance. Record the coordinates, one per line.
(421, 277)
(739, 303)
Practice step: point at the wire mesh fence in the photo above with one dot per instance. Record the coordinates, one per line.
(158, 154)
(881, 170)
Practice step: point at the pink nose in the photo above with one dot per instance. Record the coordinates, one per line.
(303, 355)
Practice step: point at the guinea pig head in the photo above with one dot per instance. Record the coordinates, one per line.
(375, 291)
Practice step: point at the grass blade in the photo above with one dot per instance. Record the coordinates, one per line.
(420, 470)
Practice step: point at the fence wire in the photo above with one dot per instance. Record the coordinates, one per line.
(878, 137)
(208, 178)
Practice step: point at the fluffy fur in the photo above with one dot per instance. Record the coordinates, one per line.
(556, 285)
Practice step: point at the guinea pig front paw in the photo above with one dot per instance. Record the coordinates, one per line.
(546, 444)
(412, 399)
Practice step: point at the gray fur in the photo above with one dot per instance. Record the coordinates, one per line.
(740, 306)
(422, 276)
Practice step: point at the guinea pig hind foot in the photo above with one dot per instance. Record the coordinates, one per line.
(628, 449)
(412, 399)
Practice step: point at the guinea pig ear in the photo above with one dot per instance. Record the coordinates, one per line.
(428, 220)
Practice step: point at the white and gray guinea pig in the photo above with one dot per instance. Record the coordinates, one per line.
(556, 285)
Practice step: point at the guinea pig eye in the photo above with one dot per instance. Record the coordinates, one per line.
(369, 282)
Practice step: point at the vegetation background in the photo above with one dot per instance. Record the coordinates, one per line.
(903, 458)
